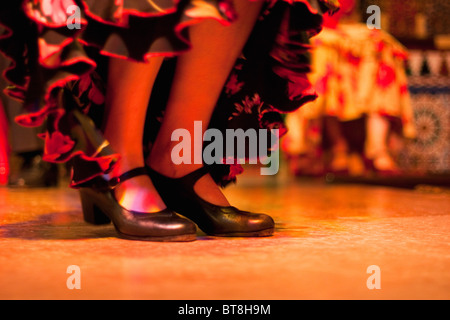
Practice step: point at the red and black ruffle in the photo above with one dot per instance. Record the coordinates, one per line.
(54, 69)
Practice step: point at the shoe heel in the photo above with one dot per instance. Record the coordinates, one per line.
(92, 213)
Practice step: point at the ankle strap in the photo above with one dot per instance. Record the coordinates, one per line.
(114, 182)
(196, 174)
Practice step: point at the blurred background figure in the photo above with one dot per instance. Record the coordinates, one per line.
(21, 163)
(363, 114)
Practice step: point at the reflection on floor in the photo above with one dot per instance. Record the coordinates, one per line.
(327, 237)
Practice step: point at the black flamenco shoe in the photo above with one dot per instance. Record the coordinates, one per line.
(224, 221)
(101, 207)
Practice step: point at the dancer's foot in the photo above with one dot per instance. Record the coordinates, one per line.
(206, 188)
(137, 194)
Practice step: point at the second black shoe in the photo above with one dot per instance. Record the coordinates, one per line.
(100, 206)
(226, 221)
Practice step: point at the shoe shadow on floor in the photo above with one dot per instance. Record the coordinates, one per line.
(66, 225)
(70, 226)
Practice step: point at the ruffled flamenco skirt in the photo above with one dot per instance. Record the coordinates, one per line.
(59, 50)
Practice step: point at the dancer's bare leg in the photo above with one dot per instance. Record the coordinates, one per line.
(200, 76)
(129, 88)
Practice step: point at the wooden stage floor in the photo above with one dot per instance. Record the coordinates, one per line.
(326, 238)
